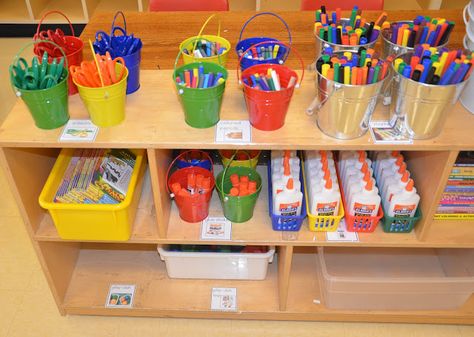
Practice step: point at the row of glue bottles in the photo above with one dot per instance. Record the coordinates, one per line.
(359, 177)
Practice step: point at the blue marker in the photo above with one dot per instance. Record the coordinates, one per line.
(446, 78)
(363, 40)
(432, 38)
(424, 34)
(407, 71)
(201, 70)
(460, 73)
(426, 70)
(211, 80)
(206, 81)
(355, 60)
(334, 17)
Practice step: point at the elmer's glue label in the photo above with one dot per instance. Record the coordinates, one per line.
(366, 202)
(288, 202)
(404, 203)
(326, 201)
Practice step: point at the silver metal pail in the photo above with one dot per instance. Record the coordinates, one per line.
(343, 110)
(419, 110)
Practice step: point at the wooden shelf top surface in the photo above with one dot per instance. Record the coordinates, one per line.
(155, 119)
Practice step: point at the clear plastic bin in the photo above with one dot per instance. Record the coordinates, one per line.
(224, 266)
(395, 279)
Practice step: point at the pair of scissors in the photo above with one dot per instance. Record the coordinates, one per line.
(102, 42)
(107, 68)
(86, 75)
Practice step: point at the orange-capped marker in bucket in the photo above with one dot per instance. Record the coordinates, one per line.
(252, 186)
(175, 188)
(244, 179)
(234, 191)
(234, 179)
(191, 182)
(206, 185)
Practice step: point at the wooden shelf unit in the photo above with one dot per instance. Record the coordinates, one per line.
(79, 273)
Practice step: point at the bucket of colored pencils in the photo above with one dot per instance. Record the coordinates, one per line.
(345, 34)
(348, 87)
(200, 87)
(268, 89)
(424, 89)
(206, 48)
(402, 36)
(267, 52)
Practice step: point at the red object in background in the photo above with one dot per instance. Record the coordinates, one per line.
(310, 5)
(188, 5)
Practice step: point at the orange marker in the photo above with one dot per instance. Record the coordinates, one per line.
(354, 75)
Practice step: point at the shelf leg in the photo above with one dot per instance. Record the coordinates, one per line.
(285, 256)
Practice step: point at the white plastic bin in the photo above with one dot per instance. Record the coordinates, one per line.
(224, 266)
(395, 279)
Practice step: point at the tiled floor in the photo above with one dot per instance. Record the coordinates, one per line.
(28, 309)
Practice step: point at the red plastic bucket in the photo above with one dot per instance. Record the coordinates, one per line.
(267, 109)
(195, 207)
(73, 55)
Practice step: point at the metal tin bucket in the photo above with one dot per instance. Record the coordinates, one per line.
(419, 110)
(321, 44)
(344, 110)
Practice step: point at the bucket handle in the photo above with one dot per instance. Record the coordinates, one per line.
(177, 60)
(178, 157)
(466, 11)
(204, 26)
(297, 85)
(53, 12)
(316, 104)
(224, 197)
(266, 13)
(22, 49)
(113, 28)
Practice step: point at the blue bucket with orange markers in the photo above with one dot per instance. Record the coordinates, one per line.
(123, 45)
(265, 52)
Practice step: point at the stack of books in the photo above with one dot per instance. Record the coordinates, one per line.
(457, 201)
(96, 176)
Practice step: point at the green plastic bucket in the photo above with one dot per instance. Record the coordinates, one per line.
(237, 209)
(48, 107)
(201, 105)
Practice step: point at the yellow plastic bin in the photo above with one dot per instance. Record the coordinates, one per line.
(93, 222)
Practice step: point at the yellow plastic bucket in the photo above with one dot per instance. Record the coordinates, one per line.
(190, 43)
(106, 105)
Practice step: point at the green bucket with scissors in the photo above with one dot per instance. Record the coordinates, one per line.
(43, 87)
(237, 208)
(201, 105)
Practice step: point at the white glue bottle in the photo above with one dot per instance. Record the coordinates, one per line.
(389, 176)
(353, 165)
(383, 155)
(357, 181)
(279, 180)
(344, 156)
(326, 201)
(404, 203)
(288, 202)
(277, 162)
(387, 164)
(366, 202)
(394, 186)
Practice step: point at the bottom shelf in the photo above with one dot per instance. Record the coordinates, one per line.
(156, 294)
(98, 266)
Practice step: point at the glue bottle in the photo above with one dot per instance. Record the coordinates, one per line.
(288, 202)
(279, 180)
(382, 156)
(354, 164)
(390, 176)
(387, 163)
(404, 203)
(277, 162)
(326, 201)
(366, 202)
(394, 186)
(345, 157)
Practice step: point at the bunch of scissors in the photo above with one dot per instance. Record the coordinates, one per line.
(116, 45)
(42, 75)
(57, 36)
(87, 74)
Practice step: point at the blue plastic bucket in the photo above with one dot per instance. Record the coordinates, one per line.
(246, 44)
(132, 62)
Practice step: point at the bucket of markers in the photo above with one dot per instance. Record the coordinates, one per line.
(70, 44)
(191, 188)
(241, 158)
(122, 45)
(43, 86)
(206, 48)
(402, 36)
(424, 89)
(200, 87)
(268, 89)
(238, 188)
(347, 92)
(103, 92)
(345, 34)
(268, 51)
